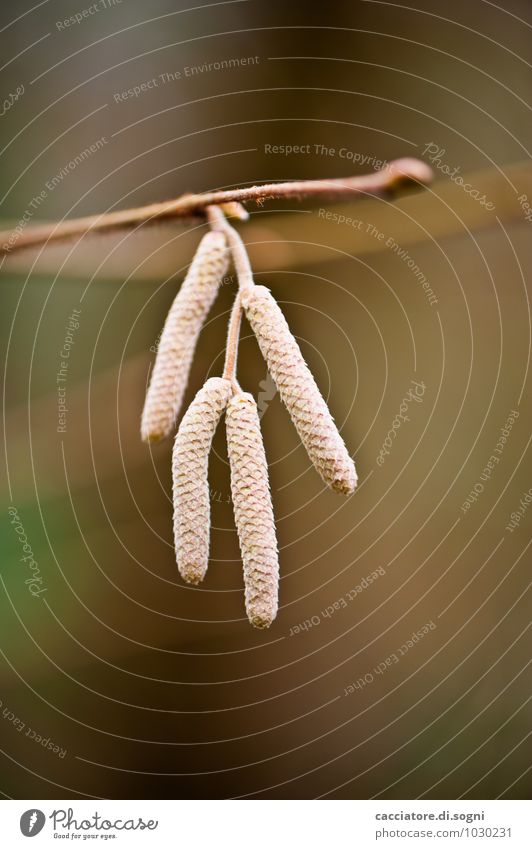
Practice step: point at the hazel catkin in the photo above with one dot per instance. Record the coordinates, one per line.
(252, 506)
(299, 391)
(179, 337)
(190, 460)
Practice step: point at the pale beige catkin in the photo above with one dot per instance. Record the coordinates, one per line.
(190, 460)
(253, 509)
(298, 390)
(179, 337)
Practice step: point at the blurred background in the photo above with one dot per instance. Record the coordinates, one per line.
(117, 680)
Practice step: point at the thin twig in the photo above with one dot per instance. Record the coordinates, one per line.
(218, 221)
(379, 183)
(233, 336)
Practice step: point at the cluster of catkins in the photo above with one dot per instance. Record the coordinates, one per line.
(249, 469)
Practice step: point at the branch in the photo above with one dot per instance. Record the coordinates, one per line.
(380, 183)
(233, 337)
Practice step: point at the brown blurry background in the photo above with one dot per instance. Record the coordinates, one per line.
(159, 690)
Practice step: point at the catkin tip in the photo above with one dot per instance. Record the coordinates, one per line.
(151, 436)
(346, 484)
(192, 573)
(261, 619)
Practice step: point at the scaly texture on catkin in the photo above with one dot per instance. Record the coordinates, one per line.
(180, 335)
(299, 391)
(190, 460)
(252, 506)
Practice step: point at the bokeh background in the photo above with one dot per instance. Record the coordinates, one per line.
(148, 688)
